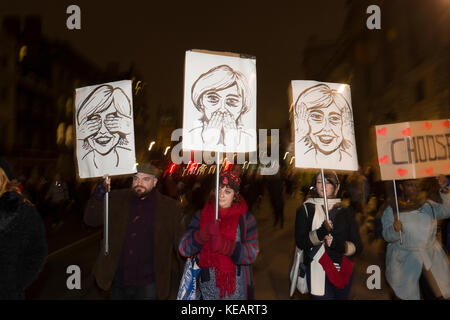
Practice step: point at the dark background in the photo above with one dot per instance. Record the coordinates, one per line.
(395, 73)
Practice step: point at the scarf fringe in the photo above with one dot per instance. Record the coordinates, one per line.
(226, 282)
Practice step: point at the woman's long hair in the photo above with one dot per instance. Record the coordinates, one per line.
(5, 184)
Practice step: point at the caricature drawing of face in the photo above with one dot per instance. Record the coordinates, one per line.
(104, 119)
(222, 91)
(321, 115)
(326, 128)
(225, 100)
(104, 140)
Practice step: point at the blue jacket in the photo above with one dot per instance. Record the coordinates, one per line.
(420, 249)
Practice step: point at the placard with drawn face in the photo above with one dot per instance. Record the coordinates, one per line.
(411, 150)
(219, 103)
(323, 122)
(105, 130)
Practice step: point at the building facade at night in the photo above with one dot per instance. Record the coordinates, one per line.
(399, 73)
(36, 98)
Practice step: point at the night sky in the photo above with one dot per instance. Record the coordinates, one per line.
(154, 35)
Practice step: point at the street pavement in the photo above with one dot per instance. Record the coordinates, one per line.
(73, 243)
(76, 244)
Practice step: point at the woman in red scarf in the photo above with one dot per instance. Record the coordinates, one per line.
(224, 249)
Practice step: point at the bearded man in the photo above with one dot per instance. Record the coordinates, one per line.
(145, 228)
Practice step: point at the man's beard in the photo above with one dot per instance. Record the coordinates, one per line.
(141, 194)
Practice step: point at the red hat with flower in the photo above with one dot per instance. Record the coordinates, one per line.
(231, 177)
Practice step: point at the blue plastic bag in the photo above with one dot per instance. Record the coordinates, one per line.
(188, 286)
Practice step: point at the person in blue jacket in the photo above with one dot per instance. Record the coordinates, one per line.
(416, 265)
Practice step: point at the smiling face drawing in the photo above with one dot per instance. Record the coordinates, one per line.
(227, 100)
(104, 140)
(326, 128)
(323, 119)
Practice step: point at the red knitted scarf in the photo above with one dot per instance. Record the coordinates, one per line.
(224, 267)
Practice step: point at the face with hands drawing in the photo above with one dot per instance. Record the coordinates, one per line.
(222, 96)
(104, 139)
(225, 103)
(322, 113)
(104, 119)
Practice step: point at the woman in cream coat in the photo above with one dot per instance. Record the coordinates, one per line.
(418, 262)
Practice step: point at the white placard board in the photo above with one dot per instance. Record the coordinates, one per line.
(324, 128)
(105, 129)
(219, 102)
(411, 150)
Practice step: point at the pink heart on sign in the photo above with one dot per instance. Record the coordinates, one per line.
(406, 132)
(429, 171)
(447, 123)
(428, 125)
(384, 159)
(402, 172)
(382, 131)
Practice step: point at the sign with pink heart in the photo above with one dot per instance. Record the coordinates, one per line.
(416, 149)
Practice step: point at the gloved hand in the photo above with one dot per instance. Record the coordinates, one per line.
(203, 235)
(214, 228)
(338, 241)
(221, 245)
(324, 229)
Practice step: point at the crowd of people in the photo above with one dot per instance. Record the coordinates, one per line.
(53, 195)
(164, 219)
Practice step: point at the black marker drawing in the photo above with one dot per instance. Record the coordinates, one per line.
(324, 127)
(104, 120)
(223, 97)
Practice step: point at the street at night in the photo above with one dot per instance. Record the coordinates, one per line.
(271, 269)
(277, 153)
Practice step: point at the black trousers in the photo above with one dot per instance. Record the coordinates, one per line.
(428, 287)
(122, 292)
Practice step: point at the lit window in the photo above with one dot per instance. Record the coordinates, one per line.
(69, 107)
(69, 135)
(60, 133)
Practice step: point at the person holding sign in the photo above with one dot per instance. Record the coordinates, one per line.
(327, 244)
(225, 248)
(145, 228)
(418, 264)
